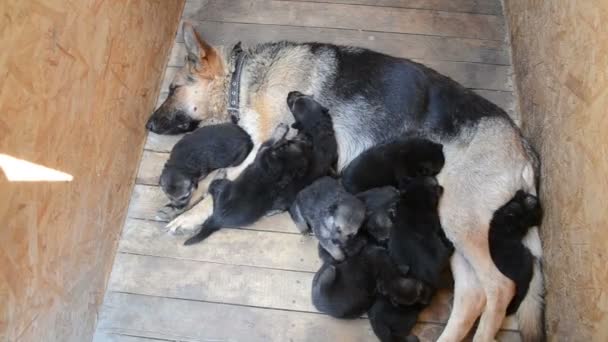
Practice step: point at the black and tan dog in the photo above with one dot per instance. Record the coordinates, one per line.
(375, 98)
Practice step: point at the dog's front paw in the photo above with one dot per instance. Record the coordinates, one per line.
(183, 224)
(189, 221)
(280, 131)
(168, 212)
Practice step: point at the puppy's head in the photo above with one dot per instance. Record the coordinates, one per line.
(344, 220)
(289, 158)
(306, 111)
(520, 213)
(381, 207)
(424, 157)
(422, 193)
(177, 186)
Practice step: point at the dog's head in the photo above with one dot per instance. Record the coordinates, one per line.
(422, 193)
(344, 220)
(423, 157)
(381, 208)
(286, 160)
(306, 111)
(189, 97)
(520, 213)
(177, 186)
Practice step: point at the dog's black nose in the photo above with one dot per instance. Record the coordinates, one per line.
(150, 124)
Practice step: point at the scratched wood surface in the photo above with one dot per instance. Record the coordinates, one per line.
(253, 283)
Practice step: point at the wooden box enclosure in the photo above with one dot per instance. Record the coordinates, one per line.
(79, 79)
(560, 57)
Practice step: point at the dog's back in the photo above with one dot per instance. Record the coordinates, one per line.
(508, 227)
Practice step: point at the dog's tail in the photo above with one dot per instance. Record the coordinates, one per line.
(207, 228)
(530, 314)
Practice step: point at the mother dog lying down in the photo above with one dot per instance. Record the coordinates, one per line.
(373, 98)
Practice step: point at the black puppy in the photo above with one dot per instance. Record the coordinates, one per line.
(508, 227)
(314, 123)
(417, 240)
(281, 169)
(393, 163)
(392, 322)
(380, 204)
(199, 153)
(347, 289)
(277, 171)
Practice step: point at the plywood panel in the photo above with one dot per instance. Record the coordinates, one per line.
(465, 6)
(78, 81)
(560, 55)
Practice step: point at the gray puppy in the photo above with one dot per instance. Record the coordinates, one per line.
(333, 214)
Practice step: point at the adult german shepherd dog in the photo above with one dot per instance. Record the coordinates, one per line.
(373, 98)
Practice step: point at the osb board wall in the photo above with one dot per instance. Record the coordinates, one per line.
(560, 55)
(77, 82)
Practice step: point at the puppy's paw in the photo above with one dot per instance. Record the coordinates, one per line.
(190, 221)
(280, 131)
(168, 212)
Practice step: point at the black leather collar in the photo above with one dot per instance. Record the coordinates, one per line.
(235, 84)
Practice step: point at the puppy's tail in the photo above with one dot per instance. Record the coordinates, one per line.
(208, 228)
(531, 311)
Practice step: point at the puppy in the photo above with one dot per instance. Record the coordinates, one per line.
(333, 214)
(314, 123)
(508, 227)
(199, 153)
(393, 163)
(416, 238)
(380, 209)
(266, 185)
(392, 322)
(347, 289)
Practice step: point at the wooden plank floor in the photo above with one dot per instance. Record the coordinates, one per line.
(253, 284)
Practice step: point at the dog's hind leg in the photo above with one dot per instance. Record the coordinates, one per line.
(469, 300)
(499, 290)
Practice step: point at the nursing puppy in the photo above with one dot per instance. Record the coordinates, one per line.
(417, 238)
(347, 289)
(333, 214)
(392, 322)
(393, 163)
(380, 204)
(264, 186)
(314, 123)
(508, 227)
(197, 154)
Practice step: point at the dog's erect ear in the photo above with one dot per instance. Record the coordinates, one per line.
(201, 55)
